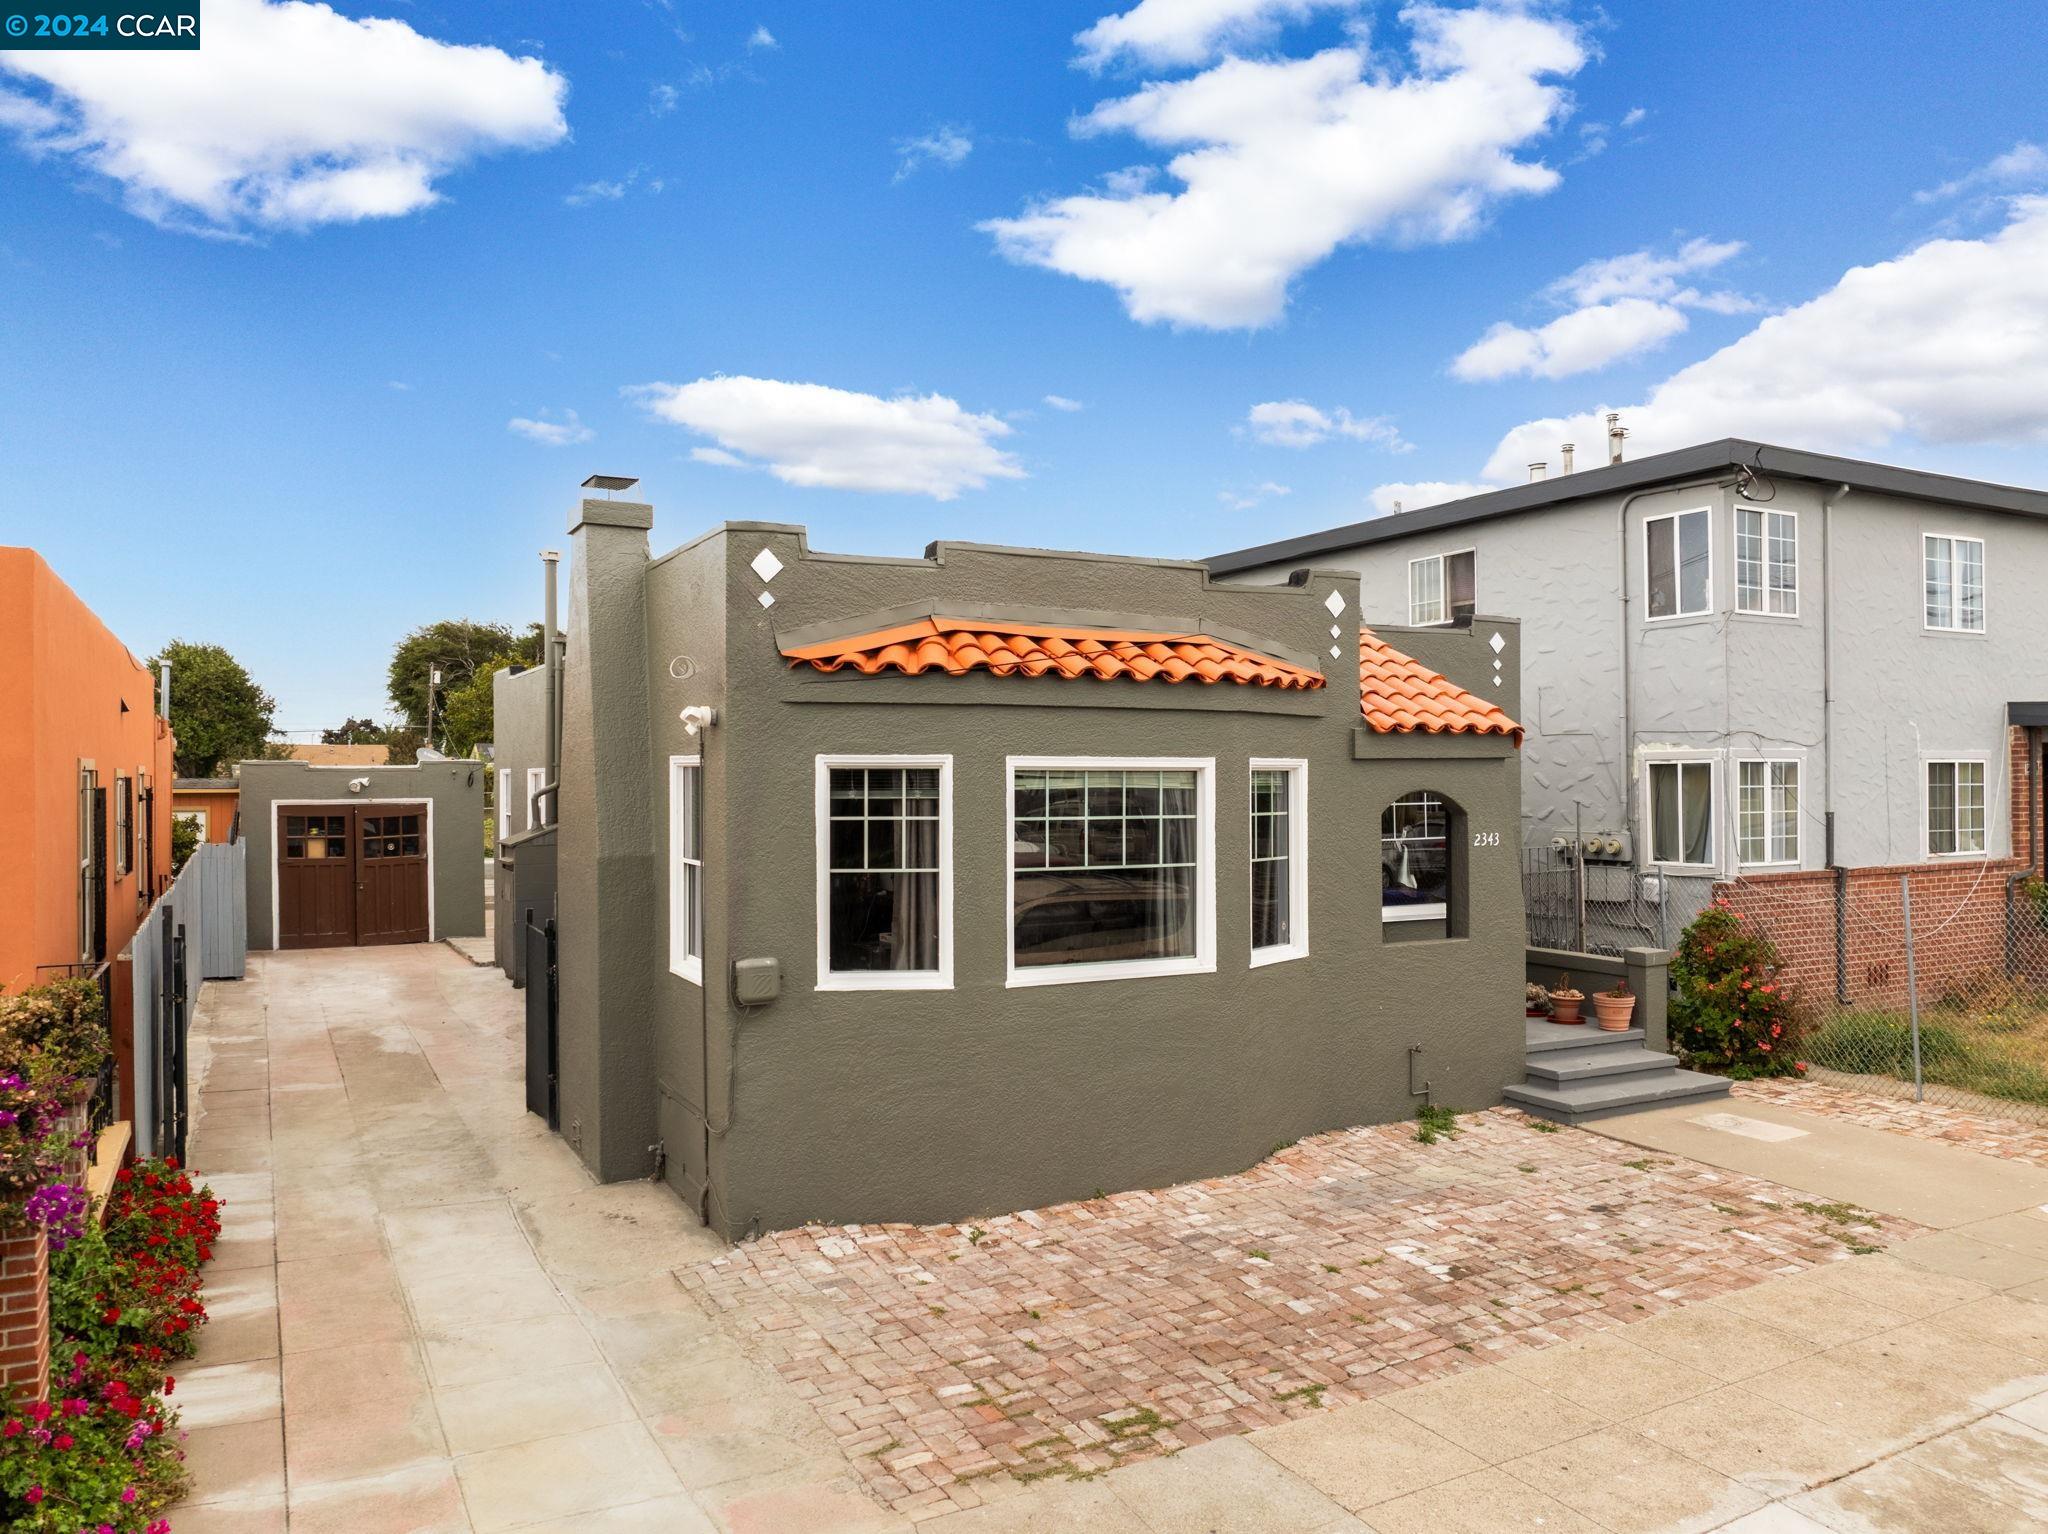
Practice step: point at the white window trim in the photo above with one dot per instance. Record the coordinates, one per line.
(1735, 563)
(1960, 758)
(1716, 831)
(1297, 855)
(689, 966)
(1203, 961)
(1437, 912)
(1984, 564)
(1443, 585)
(1796, 759)
(504, 804)
(1677, 589)
(829, 979)
(536, 780)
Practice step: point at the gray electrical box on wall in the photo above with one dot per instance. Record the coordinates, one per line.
(755, 981)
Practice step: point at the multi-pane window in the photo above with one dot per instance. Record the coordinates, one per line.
(1679, 559)
(315, 836)
(885, 873)
(1955, 583)
(1415, 858)
(124, 824)
(391, 836)
(1955, 808)
(686, 868)
(1767, 812)
(1682, 812)
(1443, 588)
(1766, 561)
(1279, 889)
(1106, 866)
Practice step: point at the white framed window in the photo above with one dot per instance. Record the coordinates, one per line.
(1678, 564)
(536, 780)
(1681, 802)
(1279, 860)
(1767, 561)
(504, 804)
(885, 873)
(1415, 858)
(1955, 808)
(1767, 811)
(686, 867)
(1442, 588)
(1112, 868)
(1955, 583)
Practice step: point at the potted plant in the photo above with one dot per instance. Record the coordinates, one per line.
(1564, 1001)
(1535, 1001)
(1615, 1008)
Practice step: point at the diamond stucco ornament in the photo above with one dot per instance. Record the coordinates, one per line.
(1335, 653)
(1335, 602)
(1496, 644)
(767, 566)
(766, 599)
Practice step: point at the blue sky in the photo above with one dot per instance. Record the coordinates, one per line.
(268, 402)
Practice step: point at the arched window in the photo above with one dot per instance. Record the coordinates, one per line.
(1421, 868)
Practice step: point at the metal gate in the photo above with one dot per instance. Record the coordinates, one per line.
(543, 1061)
(172, 1109)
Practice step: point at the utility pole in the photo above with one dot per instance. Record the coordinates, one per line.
(433, 686)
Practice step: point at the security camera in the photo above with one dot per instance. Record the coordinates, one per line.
(698, 717)
(357, 785)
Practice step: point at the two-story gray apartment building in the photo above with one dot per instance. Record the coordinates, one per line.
(1749, 663)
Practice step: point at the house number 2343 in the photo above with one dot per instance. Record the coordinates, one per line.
(1486, 838)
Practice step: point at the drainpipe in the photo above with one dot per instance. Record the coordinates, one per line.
(1828, 503)
(549, 560)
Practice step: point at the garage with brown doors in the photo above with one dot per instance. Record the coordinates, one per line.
(351, 874)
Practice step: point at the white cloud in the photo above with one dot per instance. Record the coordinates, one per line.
(549, 430)
(1296, 423)
(1418, 493)
(1634, 117)
(719, 458)
(1625, 305)
(1280, 162)
(2024, 166)
(1167, 34)
(815, 436)
(761, 39)
(946, 147)
(291, 116)
(611, 191)
(1945, 343)
(1061, 402)
(662, 99)
(1245, 500)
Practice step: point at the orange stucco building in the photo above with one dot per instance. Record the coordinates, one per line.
(211, 803)
(85, 780)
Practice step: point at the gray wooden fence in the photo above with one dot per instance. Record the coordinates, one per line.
(215, 881)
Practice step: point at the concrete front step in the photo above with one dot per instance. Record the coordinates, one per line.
(1580, 1102)
(1562, 1066)
(1541, 1037)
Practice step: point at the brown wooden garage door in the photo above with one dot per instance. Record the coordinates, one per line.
(351, 874)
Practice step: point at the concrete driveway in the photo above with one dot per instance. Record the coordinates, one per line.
(426, 1317)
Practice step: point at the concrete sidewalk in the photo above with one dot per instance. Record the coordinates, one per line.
(427, 1318)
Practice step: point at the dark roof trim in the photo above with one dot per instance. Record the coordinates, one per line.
(1708, 458)
(2034, 714)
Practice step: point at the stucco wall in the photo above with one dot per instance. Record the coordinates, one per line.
(455, 789)
(938, 1104)
(519, 725)
(218, 805)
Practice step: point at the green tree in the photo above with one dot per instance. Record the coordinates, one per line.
(460, 648)
(218, 713)
(405, 743)
(466, 717)
(355, 732)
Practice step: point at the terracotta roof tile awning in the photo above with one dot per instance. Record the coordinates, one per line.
(1398, 692)
(958, 646)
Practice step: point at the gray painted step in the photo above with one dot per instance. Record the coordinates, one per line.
(1581, 1101)
(1559, 1066)
(1543, 1037)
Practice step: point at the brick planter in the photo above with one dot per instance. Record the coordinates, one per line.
(24, 1312)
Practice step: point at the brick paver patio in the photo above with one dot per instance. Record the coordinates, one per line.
(1060, 1342)
(1987, 1134)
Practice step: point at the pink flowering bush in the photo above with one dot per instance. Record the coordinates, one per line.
(1732, 1013)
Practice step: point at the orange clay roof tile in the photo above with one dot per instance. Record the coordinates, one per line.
(1398, 692)
(958, 646)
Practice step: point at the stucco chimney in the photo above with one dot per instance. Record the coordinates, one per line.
(1564, 453)
(1538, 471)
(1615, 432)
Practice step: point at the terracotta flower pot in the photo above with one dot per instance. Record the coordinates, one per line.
(1565, 1007)
(1614, 1012)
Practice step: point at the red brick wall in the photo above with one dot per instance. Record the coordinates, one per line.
(24, 1313)
(1959, 915)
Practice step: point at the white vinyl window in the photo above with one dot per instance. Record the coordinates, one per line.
(536, 780)
(1955, 583)
(1279, 861)
(1682, 814)
(504, 804)
(1767, 811)
(1766, 562)
(686, 867)
(1112, 868)
(1442, 588)
(1955, 808)
(885, 873)
(1678, 563)
(1415, 858)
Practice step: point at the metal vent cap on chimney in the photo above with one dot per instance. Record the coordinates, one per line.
(1615, 433)
(610, 482)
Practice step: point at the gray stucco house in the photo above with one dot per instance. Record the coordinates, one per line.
(1746, 662)
(911, 889)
